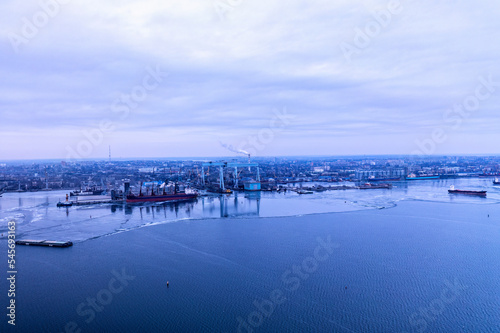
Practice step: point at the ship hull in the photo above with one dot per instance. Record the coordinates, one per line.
(477, 193)
(370, 187)
(423, 178)
(160, 198)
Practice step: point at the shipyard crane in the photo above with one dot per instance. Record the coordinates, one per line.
(223, 165)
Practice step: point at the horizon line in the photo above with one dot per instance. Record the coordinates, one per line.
(414, 156)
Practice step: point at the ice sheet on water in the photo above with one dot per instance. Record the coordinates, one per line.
(37, 216)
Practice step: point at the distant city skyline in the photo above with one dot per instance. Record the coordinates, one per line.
(211, 78)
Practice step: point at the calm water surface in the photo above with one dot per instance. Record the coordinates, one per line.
(426, 263)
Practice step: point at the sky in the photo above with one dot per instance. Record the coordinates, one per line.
(168, 78)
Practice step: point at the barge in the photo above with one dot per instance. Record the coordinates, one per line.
(44, 243)
(368, 186)
(394, 179)
(452, 190)
(421, 177)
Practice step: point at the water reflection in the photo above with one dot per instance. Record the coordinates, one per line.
(232, 206)
(238, 204)
(174, 209)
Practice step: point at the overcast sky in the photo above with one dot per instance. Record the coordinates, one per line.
(186, 78)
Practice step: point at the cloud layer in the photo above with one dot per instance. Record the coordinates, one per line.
(228, 66)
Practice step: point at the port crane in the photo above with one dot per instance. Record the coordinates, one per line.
(223, 165)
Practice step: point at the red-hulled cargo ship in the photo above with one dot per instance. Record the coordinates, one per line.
(177, 195)
(468, 192)
(131, 198)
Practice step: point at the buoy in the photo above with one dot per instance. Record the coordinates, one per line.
(167, 284)
(345, 287)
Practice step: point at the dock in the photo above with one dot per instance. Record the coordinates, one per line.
(44, 243)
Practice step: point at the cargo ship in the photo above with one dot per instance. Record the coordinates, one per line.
(384, 179)
(131, 198)
(179, 194)
(468, 192)
(421, 177)
(368, 186)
